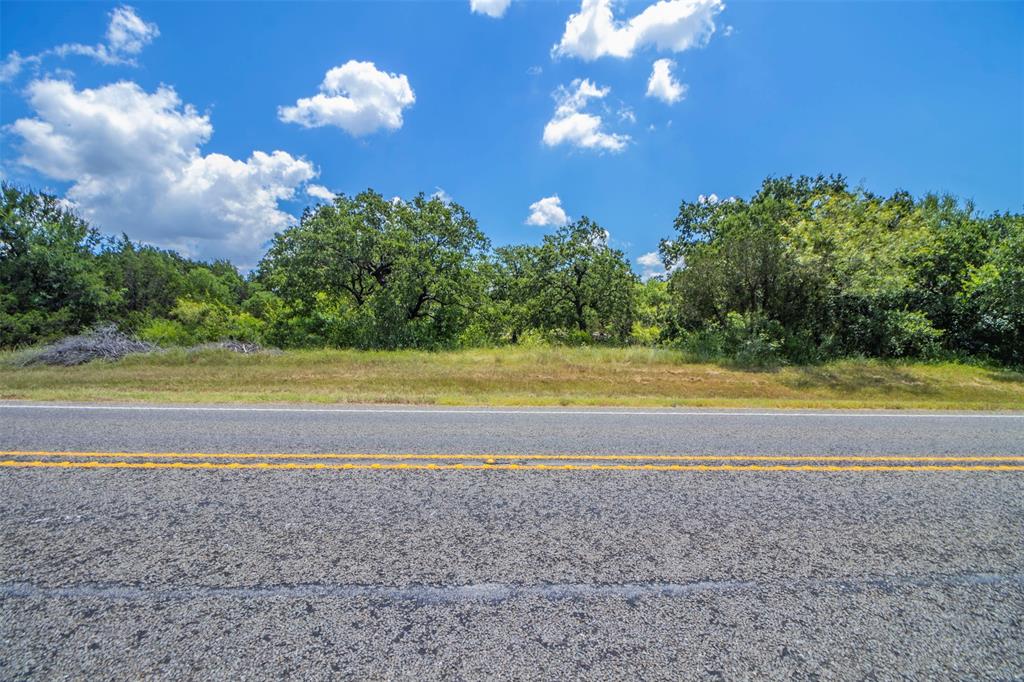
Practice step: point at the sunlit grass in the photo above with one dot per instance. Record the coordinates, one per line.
(514, 376)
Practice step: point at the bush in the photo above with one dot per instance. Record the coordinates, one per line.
(747, 340)
(476, 335)
(204, 322)
(166, 333)
(533, 338)
(644, 335)
(703, 345)
(909, 333)
(752, 340)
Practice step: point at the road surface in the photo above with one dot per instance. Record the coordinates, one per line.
(249, 543)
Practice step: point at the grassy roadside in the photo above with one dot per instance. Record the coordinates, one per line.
(514, 376)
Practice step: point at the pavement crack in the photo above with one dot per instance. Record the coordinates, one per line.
(487, 592)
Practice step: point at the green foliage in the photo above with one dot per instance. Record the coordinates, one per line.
(995, 292)
(745, 339)
(264, 305)
(193, 322)
(642, 335)
(166, 333)
(574, 287)
(49, 286)
(819, 270)
(909, 333)
(148, 281)
(372, 273)
(805, 270)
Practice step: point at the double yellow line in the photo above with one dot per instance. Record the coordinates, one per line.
(537, 462)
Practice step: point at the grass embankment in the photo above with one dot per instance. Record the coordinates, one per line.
(514, 376)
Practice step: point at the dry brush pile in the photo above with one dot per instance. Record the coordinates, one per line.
(109, 343)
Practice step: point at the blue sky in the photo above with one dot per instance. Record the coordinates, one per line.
(918, 95)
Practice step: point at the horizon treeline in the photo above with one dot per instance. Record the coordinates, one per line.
(807, 269)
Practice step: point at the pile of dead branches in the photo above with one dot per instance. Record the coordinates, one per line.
(102, 343)
(242, 347)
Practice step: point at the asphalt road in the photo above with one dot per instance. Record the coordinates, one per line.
(533, 544)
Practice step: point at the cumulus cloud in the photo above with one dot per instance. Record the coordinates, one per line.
(570, 125)
(662, 85)
(126, 35)
(356, 97)
(651, 266)
(319, 192)
(492, 8)
(674, 25)
(547, 212)
(134, 162)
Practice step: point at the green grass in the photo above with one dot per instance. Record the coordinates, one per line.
(514, 376)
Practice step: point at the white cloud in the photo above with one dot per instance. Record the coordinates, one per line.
(627, 114)
(492, 8)
(126, 35)
(547, 211)
(650, 266)
(675, 25)
(13, 64)
(535, 70)
(134, 163)
(662, 85)
(319, 192)
(707, 198)
(571, 126)
(356, 97)
(439, 193)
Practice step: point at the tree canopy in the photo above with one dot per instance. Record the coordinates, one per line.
(806, 269)
(371, 273)
(816, 269)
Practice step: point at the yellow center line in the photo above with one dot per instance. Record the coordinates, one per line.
(265, 466)
(495, 457)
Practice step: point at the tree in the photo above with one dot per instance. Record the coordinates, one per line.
(736, 260)
(148, 281)
(995, 290)
(573, 281)
(822, 270)
(368, 272)
(50, 284)
(513, 306)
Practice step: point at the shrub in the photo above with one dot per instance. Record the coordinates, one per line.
(532, 338)
(909, 333)
(644, 335)
(166, 333)
(753, 340)
(204, 322)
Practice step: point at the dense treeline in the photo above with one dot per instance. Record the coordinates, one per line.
(805, 270)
